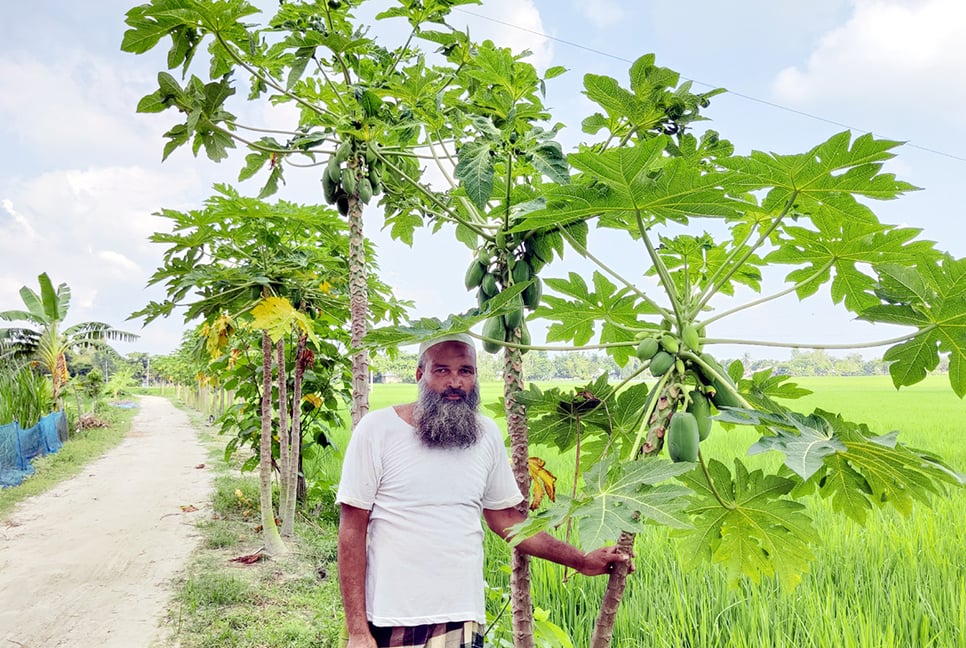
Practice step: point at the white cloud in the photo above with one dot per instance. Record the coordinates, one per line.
(509, 23)
(902, 58)
(78, 106)
(600, 13)
(93, 227)
(119, 260)
(20, 229)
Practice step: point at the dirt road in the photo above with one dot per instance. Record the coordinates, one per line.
(89, 563)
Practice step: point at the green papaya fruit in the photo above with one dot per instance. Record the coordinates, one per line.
(532, 293)
(365, 190)
(344, 150)
(474, 275)
(514, 318)
(334, 170)
(328, 188)
(349, 181)
(670, 343)
(690, 337)
(724, 390)
(700, 407)
(524, 336)
(494, 329)
(647, 348)
(682, 437)
(521, 271)
(660, 363)
(489, 285)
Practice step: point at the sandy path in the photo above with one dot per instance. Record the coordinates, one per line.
(89, 563)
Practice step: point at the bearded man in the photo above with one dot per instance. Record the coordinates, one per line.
(416, 480)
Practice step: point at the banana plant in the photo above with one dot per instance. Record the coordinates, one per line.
(42, 335)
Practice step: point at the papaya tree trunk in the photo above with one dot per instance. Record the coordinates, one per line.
(283, 435)
(604, 627)
(667, 403)
(272, 541)
(358, 311)
(303, 357)
(516, 416)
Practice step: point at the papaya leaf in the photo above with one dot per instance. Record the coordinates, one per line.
(836, 166)
(555, 416)
(475, 171)
(548, 159)
(576, 319)
(763, 387)
(804, 440)
(277, 316)
(935, 309)
(876, 471)
(757, 533)
(620, 497)
(845, 246)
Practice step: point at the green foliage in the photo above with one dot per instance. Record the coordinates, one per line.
(930, 298)
(746, 522)
(43, 336)
(510, 193)
(25, 395)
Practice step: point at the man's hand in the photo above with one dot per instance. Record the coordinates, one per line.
(604, 561)
(361, 641)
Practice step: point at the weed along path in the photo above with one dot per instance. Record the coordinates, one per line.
(89, 563)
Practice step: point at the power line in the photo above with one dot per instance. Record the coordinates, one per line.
(740, 95)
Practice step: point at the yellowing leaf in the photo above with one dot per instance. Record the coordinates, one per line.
(314, 400)
(543, 482)
(217, 333)
(277, 316)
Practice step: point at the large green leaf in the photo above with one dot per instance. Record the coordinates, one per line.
(475, 171)
(621, 497)
(635, 179)
(931, 299)
(747, 524)
(804, 440)
(616, 311)
(876, 471)
(847, 247)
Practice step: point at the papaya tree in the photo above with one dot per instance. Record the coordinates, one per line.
(317, 57)
(244, 266)
(637, 444)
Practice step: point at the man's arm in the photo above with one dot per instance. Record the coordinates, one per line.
(353, 527)
(546, 546)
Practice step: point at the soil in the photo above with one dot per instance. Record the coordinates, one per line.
(92, 562)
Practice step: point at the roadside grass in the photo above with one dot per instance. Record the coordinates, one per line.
(290, 601)
(83, 447)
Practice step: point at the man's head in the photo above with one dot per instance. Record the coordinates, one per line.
(445, 414)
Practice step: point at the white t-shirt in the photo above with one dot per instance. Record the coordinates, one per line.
(425, 537)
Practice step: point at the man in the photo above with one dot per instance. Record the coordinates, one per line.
(415, 482)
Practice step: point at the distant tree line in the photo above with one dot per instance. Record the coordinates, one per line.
(582, 366)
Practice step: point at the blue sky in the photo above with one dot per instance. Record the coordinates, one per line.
(81, 171)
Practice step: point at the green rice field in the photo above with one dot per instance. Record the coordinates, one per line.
(898, 582)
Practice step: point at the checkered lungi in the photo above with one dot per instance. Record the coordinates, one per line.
(454, 634)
